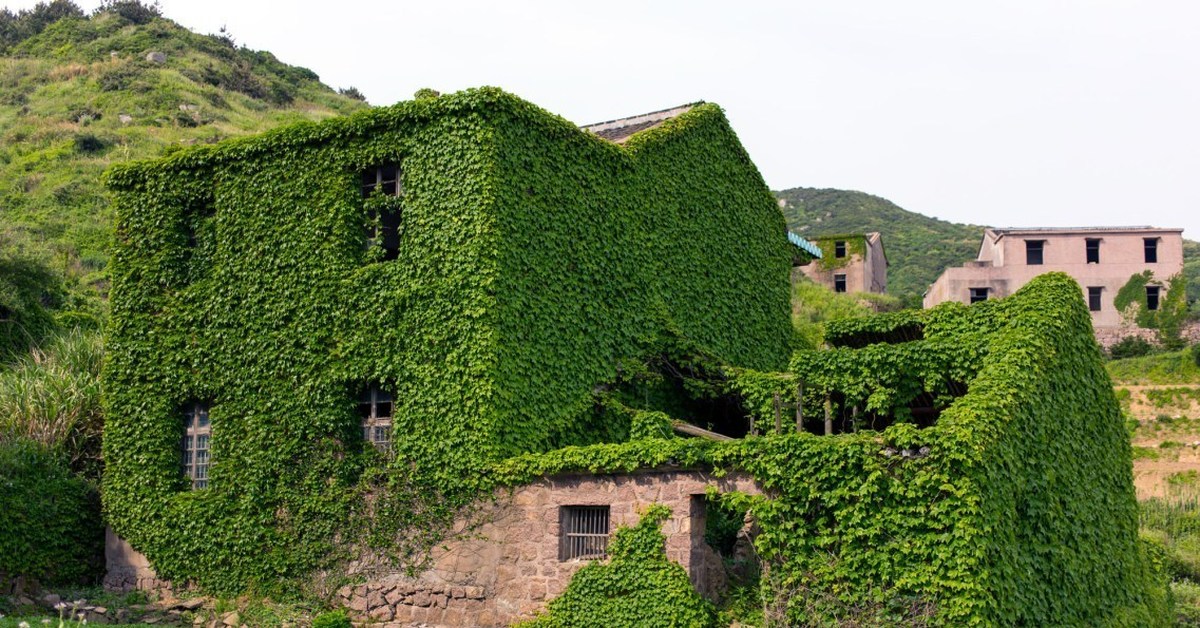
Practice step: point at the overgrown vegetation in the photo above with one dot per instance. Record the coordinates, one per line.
(1168, 318)
(813, 305)
(1173, 367)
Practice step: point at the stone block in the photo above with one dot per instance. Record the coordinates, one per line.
(421, 598)
(375, 599)
(382, 613)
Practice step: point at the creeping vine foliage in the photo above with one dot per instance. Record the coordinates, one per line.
(1027, 475)
(639, 587)
(856, 245)
(534, 259)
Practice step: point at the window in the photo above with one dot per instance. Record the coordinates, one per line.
(1094, 298)
(1151, 297)
(839, 283)
(584, 532)
(197, 432)
(5, 314)
(1033, 252)
(978, 294)
(375, 409)
(1093, 250)
(383, 187)
(839, 248)
(1151, 245)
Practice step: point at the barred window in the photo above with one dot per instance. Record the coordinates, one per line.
(197, 433)
(375, 409)
(584, 532)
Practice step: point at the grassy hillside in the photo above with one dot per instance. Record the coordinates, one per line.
(918, 247)
(79, 93)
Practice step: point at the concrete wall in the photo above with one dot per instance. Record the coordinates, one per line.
(1001, 266)
(505, 565)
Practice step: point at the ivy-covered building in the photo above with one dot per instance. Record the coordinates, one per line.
(445, 281)
(852, 262)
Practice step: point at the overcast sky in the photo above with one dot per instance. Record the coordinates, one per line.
(1021, 113)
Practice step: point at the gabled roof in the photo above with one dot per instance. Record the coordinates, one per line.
(619, 130)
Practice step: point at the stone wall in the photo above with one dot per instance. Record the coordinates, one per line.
(1108, 336)
(505, 565)
(508, 567)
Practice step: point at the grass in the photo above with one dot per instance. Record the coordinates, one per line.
(1175, 367)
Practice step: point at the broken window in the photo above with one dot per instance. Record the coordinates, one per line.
(1094, 293)
(839, 248)
(584, 532)
(978, 294)
(197, 433)
(1151, 247)
(839, 283)
(383, 187)
(1151, 297)
(1033, 252)
(1093, 250)
(375, 410)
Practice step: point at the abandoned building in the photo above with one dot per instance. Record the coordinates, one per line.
(853, 262)
(1101, 259)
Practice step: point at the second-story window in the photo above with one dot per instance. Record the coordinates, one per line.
(1151, 297)
(1033, 252)
(1094, 293)
(197, 433)
(1093, 250)
(839, 248)
(978, 294)
(382, 190)
(1151, 247)
(375, 411)
(839, 283)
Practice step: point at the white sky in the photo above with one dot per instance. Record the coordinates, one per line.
(1021, 113)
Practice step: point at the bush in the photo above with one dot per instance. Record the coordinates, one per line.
(332, 619)
(1196, 354)
(50, 518)
(132, 11)
(1130, 347)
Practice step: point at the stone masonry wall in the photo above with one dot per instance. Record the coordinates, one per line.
(1109, 336)
(508, 567)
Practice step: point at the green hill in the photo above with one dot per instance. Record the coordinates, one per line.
(79, 93)
(918, 247)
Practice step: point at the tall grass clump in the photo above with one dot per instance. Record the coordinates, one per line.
(51, 396)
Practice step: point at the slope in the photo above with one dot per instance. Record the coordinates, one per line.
(79, 93)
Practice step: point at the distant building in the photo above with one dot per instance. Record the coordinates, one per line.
(1101, 259)
(850, 263)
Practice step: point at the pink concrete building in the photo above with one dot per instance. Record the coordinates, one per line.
(1101, 259)
(850, 263)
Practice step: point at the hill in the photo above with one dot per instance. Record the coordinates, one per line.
(79, 93)
(918, 247)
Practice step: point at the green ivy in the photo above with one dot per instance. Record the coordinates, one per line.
(535, 260)
(1172, 313)
(856, 245)
(639, 587)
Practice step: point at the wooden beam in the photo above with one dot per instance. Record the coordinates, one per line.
(692, 430)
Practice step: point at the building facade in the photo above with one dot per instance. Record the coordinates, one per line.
(850, 263)
(1101, 259)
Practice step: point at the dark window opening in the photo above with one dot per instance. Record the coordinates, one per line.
(839, 248)
(845, 416)
(1151, 297)
(5, 314)
(1094, 298)
(383, 187)
(1033, 252)
(197, 434)
(1151, 247)
(1093, 250)
(839, 283)
(978, 294)
(375, 414)
(583, 532)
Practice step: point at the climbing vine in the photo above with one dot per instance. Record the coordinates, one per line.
(855, 245)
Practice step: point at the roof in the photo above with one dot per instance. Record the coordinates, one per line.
(621, 129)
(805, 245)
(1001, 232)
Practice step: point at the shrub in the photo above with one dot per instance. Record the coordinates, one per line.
(332, 619)
(132, 11)
(1130, 347)
(50, 518)
(1196, 354)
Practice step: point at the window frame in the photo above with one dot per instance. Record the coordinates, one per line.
(1095, 294)
(584, 532)
(384, 216)
(196, 445)
(839, 283)
(1033, 247)
(376, 425)
(1153, 298)
(839, 249)
(1092, 250)
(1150, 250)
(973, 295)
